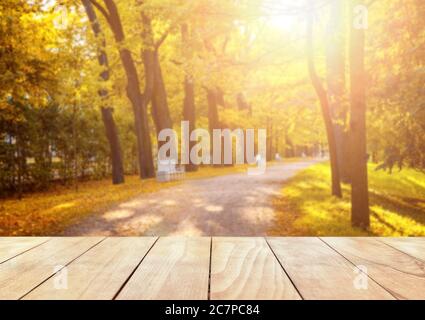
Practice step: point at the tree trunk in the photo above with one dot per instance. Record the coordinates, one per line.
(112, 135)
(155, 90)
(242, 102)
(289, 147)
(189, 112)
(21, 159)
(148, 58)
(160, 110)
(75, 146)
(269, 141)
(359, 180)
(107, 112)
(336, 86)
(321, 93)
(277, 133)
(213, 120)
(220, 97)
(144, 144)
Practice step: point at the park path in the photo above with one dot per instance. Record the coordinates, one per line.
(231, 205)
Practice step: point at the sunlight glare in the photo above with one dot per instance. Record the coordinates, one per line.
(284, 14)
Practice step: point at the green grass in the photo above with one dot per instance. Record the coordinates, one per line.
(305, 207)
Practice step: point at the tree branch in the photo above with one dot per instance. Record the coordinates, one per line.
(162, 39)
(102, 10)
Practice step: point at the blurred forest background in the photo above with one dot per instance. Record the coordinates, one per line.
(85, 86)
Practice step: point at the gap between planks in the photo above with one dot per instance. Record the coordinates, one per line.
(212, 268)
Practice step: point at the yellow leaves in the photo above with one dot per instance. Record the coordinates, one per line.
(48, 213)
(51, 212)
(208, 172)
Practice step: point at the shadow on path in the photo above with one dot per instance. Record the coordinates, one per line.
(231, 205)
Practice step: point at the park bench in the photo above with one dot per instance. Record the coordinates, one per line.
(168, 170)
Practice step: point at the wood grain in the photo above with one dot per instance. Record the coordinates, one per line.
(23, 273)
(13, 246)
(100, 273)
(175, 268)
(246, 268)
(397, 272)
(412, 246)
(319, 272)
(241, 268)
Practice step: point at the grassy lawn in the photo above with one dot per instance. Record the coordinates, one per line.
(50, 212)
(305, 207)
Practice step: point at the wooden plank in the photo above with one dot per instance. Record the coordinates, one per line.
(319, 272)
(13, 246)
(398, 272)
(99, 273)
(23, 273)
(175, 268)
(412, 246)
(246, 268)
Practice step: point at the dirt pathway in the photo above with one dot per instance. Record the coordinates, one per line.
(231, 205)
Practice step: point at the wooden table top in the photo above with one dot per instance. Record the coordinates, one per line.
(217, 268)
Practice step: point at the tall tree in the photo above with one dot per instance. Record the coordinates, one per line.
(154, 77)
(107, 112)
(335, 54)
(189, 112)
(358, 154)
(160, 109)
(324, 103)
(213, 117)
(134, 94)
